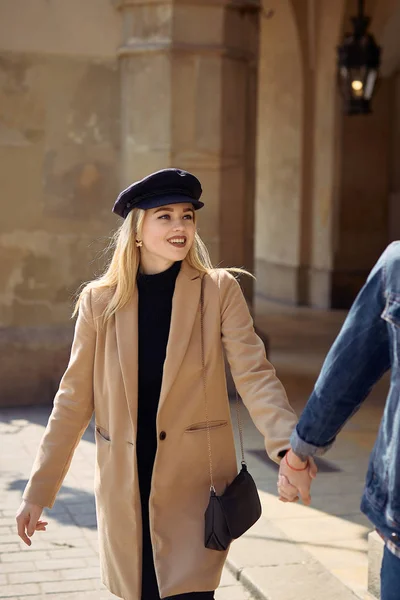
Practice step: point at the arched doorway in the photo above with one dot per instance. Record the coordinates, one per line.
(369, 175)
(327, 185)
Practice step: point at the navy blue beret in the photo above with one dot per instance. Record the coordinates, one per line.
(168, 186)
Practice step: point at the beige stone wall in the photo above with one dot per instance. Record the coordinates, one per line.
(81, 28)
(96, 94)
(59, 175)
(85, 113)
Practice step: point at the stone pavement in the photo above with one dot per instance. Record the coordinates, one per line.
(331, 534)
(62, 563)
(307, 553)
(293, 553)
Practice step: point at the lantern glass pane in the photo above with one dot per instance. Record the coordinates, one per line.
(370, 84)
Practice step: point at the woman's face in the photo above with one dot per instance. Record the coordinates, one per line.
(167, 235)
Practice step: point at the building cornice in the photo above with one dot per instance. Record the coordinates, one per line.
(242, 5)
(137, 47)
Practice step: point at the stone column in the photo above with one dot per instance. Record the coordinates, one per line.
(326, 143)
(188, 78)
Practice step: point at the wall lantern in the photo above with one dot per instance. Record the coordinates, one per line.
(358, 64)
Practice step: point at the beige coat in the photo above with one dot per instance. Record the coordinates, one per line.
(102, 376)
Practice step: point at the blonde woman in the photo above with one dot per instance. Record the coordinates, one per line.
(136, 362)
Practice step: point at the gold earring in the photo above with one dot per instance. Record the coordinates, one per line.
(139, 243)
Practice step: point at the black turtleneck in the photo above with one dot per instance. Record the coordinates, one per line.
(154, 319)
(155, 307)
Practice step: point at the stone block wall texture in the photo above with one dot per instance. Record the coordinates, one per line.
(96, 94)
(59, 154)
(92, 97)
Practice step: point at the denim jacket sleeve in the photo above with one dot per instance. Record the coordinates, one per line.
(356, 361)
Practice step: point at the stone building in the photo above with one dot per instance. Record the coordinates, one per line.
(96, 94)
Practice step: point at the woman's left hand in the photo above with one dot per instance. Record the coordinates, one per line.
(287, 491)
(295, 478)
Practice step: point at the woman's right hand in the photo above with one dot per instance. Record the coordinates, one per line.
(28, 521)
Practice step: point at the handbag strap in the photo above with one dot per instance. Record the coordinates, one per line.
(204, 377)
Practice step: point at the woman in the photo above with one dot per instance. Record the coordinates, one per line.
(136, 362)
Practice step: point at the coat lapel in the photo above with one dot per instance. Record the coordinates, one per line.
(126, 326)
(185, 306)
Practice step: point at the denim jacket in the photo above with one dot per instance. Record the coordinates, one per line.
(366, 347)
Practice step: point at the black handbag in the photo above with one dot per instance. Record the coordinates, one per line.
(230, 515)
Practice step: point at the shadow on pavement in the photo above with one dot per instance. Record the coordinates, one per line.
(38, 415)
(73, 506)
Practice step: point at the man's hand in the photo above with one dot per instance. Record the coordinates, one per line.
(295, 477)
(28, 521)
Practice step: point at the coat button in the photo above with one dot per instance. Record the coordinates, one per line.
(394, 537)
(163, 435)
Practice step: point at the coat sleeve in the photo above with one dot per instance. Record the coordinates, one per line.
(261, 391)
(72, 411)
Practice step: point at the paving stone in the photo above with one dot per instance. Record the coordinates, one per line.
(62, 563)
(265, 545)
(291, 582)
(15, 567)
(5, 548)
(82, 573)
(25, 589)
(33, 576)
(7, 529)
(77, 585)
(16, 557)
(72, 553)
(236, 592)
(8, 538)
(281, 549)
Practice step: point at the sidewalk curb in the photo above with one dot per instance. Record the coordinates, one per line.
(337, 590)
(271, 574)
(246, 581)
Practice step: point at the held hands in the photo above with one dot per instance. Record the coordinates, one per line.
(28, 521)
(295, 477)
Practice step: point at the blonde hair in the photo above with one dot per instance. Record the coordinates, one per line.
(120, 274)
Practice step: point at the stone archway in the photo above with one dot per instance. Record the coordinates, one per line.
(369, 190)
(297, 151)
(326, 184)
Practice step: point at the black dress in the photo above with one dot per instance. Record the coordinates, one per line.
(155, 306)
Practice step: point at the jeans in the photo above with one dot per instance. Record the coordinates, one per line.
(390, 576)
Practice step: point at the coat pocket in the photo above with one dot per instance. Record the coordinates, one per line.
(202, 426)
(103, 433)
